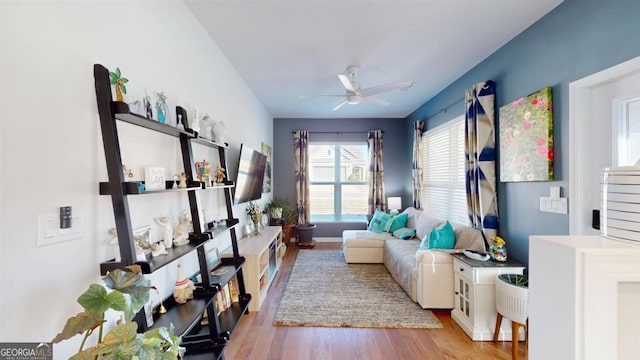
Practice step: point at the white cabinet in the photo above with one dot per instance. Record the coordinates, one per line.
(583, 298)
(263, 257)
(475, 304)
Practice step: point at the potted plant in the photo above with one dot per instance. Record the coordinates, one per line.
(276, 209)
(512, 300)
(130, 291)
(289, 221)
(305, 235)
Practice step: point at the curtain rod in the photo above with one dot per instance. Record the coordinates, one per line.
(444, 109)
(337, 132)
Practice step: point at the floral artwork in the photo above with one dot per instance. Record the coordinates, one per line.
(266, 185)
(526, 138)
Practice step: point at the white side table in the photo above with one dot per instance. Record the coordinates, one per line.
(475, 299)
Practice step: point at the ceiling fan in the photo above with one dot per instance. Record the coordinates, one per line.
(355, 95)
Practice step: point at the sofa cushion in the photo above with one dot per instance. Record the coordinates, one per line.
(441, 237)
(404, 233)
(399, 258)
(425, 223)
(413, 216)
(468, 238)
(381, 222)
(399, 221)
(364, 239)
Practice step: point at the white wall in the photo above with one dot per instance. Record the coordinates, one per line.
(52, 149)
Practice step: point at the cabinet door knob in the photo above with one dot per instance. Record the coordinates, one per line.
(461, 269)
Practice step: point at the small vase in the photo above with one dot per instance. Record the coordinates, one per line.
(256, 222)
(498, 253)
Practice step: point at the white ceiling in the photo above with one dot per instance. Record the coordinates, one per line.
(288, 48)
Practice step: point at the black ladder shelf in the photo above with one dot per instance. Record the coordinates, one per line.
(199, 340)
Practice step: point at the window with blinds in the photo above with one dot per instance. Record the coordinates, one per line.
(338, 186)
(628, 141)
(443, 188)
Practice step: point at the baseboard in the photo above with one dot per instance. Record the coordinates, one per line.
(320, 239)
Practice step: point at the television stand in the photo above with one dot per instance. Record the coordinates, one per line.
(263, 259)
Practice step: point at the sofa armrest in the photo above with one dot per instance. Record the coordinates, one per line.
(436, 256)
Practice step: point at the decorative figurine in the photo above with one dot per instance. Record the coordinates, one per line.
(127, 173)
(134, 107)
(161, 108)
(146, 101)
(183, 181)
(165, 221)
(158, 249)
(143, 245)
(205, 127)
(114, 241)
(195, 123)
(219, 174)
(498, 249)
(119, 81)
(184, 287)
(217, 131)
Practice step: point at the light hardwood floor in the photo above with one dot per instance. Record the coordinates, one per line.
(256, 338)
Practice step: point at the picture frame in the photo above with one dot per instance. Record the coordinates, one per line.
(266, 184)
(212, 256)
(154, 178)
(526, 138)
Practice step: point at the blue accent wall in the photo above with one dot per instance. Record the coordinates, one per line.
(394, 144)
(576, 39)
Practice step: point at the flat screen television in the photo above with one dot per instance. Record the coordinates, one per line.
(251, 167)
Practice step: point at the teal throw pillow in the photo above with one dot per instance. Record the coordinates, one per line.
(404, 233)
(439, 238)
(380, 222)
(399, 221)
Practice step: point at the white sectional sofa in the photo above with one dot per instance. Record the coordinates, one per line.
(425, 275)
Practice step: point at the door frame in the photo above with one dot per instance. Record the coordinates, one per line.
(580, 99)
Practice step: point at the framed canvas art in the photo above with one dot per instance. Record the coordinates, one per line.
(526, 138)
(266, 185)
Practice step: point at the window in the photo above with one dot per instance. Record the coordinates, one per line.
(443, 189)
(628, 139)
(338, 187)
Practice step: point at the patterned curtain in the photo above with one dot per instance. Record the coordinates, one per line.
(416, 165)
(301, 164)
(377, 197)
(480, 154)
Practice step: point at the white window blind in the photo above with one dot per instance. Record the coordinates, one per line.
(443, 190)
(628, 140)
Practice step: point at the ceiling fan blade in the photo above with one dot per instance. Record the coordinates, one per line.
(373, 100)
(402, 85)
(312, 96)
(344, 79)
(339, 105)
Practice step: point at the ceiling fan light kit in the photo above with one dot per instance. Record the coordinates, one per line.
(354, 95)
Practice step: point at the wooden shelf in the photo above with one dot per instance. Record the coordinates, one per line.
(154, 263)
(206, 142)
(229, 318)
(232, 265)
(121, 112)
(218, 230)
(132, 188)
(204, 351)
(183, 317)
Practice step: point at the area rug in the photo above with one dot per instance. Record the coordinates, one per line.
(325, 291)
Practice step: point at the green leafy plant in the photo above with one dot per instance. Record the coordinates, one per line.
(118, 81)
(276, 204)
(516, 279)
(130, 291)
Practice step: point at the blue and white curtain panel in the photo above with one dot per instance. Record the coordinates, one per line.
(377, 197)
(416, 165)
(301, 166)
(480, 155)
